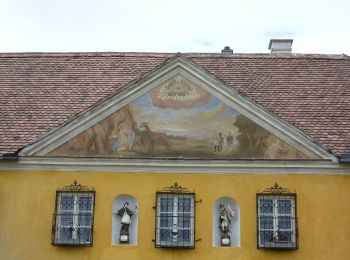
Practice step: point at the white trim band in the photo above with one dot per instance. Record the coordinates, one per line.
(177, 166)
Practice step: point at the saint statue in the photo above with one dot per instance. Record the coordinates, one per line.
(226, 215)
(125, 213)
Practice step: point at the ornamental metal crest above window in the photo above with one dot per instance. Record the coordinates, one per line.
(176, 188)
(75, 186)
(276, 189)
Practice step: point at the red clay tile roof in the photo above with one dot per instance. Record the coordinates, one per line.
(39, 92)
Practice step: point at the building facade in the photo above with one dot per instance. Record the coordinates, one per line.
(175, 156)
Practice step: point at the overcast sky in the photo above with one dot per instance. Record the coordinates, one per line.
(317, 26)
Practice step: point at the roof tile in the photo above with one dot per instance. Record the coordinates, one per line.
(39, 92)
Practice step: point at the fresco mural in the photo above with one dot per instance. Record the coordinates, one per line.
(177, 119)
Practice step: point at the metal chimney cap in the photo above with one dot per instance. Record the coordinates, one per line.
(289, 41)
(281, 45)
(227, 50)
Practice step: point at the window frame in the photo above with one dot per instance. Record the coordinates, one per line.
(175, 192)
(276, 193)
(78, 191)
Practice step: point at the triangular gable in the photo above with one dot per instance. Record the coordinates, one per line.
(178, 111)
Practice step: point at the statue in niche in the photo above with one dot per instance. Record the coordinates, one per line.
(226, 215)
(125, 213)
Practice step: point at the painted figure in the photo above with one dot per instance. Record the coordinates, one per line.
(125, 213)
(216, 142)
(221, 141)
(225, 218)
(229, 142)
(125, 139)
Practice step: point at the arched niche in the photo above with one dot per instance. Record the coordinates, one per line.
(235, 222)
(118, 203)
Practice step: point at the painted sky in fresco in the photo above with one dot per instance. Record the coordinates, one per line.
(176, 121)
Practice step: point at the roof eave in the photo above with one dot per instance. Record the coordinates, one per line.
(344, 158)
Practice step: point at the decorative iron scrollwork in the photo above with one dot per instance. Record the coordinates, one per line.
(75, 186)
(276, 189)
(176, 188)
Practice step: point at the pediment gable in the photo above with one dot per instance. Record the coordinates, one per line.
(178, 111)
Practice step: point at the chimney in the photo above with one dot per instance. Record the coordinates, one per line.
(227, 50)
(281, 46)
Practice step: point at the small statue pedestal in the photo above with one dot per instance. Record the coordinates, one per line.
(225, 240)
(124, 238)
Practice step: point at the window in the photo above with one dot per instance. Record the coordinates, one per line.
(73, 218)
(277, 220)
(175, 213)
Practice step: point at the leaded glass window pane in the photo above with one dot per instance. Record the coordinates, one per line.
(66, 202)
(266, 222)
(266, 205)
(284, 222)
(284, 206)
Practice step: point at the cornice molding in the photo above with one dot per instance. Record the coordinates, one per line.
(177, 166)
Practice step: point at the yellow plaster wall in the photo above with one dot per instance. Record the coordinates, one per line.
(27, 201)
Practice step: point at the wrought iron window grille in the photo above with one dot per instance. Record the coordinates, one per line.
(277, 222)
(72, 222)
(175, 218)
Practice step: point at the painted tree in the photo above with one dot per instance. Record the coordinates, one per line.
(252, 139)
